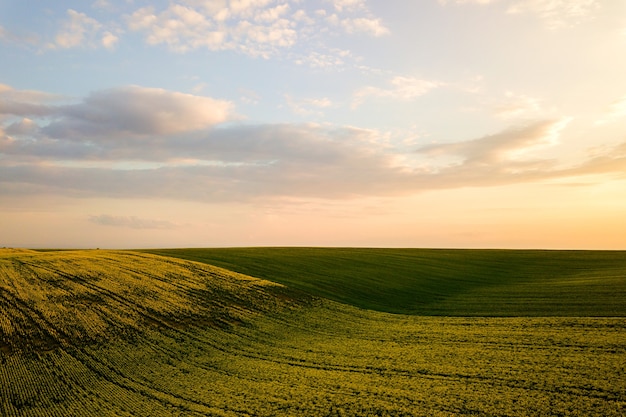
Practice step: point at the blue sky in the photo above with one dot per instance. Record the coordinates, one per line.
(465, 123)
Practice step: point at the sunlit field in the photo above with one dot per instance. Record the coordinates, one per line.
(448, 282)
(121, 333)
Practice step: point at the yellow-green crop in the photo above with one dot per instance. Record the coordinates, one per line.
(102, 333)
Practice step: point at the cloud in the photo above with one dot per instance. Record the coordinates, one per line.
(249, 96)
(554, 13)
(341, 5)
(131, 222)
(8, 36)
(109, 40)
(308, 106)
(444, 2)
(260, 28)
(366, 25)
(257, 28)
(517, 105)
(273, 14)
(617, 110)
(233, 164)
(25, 103)
(505, 146)
(78, 30)
(102, 4)
(23, 127)
(403, 88)
(136, 110)
(334, 58)
(135, 142)
(183, 28)
(331, 174)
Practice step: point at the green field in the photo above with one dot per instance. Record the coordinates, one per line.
(444, 282)
(122, 333)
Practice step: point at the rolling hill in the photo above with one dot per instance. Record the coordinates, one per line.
(121, 333)
(446, 282)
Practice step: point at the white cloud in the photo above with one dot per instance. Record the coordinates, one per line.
(403, 88)
(78, 30)
(255, 27)
(183, 28)
(366, 25)
(264, 40)
(258, 28)
(302, 16)
(247, 8)
(142, 19)
(273, 14)
(109, 40)
(179, 27)
(617, 110)
(341, 5)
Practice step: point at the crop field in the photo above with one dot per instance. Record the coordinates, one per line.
(446, 282)
(123, 333)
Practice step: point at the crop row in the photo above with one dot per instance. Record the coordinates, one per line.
(117, 356)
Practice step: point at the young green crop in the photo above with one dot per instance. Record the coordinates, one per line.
(447, 282)
(100, 333)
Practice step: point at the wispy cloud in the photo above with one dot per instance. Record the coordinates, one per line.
(402, 88)
(503, 147)
(515, 105)
(554, 13)
(333, 58)
(8, 36)
(308, 106)
(616, 110)
(131, 222)
(102, 4)
(77, 30)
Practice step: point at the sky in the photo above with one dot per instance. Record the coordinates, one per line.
(216, 123)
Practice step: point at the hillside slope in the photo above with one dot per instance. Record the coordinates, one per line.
(448, 282)
(104, 333)
(66, 298)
